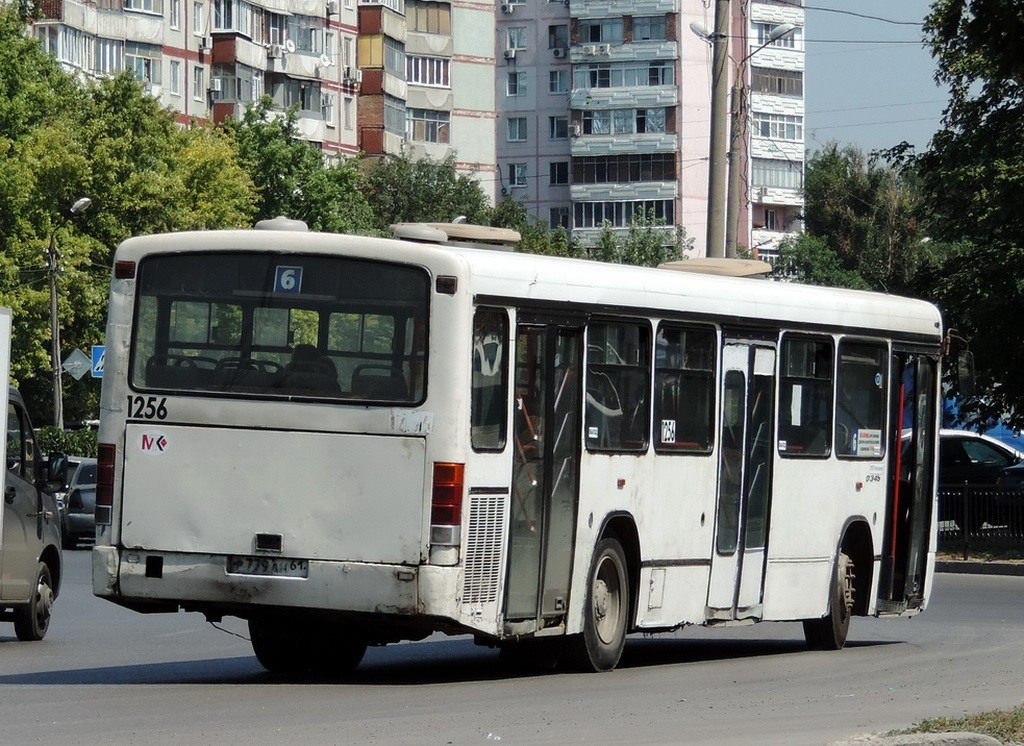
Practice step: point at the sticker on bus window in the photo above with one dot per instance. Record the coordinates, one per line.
(593, 433)
(668, 431)
(288, 279)
(868, 442)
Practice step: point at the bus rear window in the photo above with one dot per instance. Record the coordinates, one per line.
(281, 325)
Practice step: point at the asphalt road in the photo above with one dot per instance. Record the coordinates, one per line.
(105, 674)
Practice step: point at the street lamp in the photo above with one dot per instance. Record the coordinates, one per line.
(80, 206)
(721, 226)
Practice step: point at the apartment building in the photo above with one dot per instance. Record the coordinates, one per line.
(585, 110)
(604, 110)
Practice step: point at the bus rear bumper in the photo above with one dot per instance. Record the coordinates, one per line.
(149, 579)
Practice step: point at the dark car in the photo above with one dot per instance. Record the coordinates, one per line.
(79, 517)
(970, 466)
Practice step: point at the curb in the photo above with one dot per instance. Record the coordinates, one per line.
(921, 739)
(965, 567)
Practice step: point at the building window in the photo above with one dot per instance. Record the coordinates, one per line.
(770, 172)
(558, 128)
(606, 30)
(516, 37)
(617, 75)
(763, 32)
(394, 115)
(770, 220)
(558, 81)
(620, 214)
(778, 82)
(175, 77)
(433, 72)
(175, 15)
(428, 17)
(327, 108)
(198, 20)
(648, 28)
(778, 126)
(517, 175)
(147, 6)
(558, 217)
(558, 36)
(516, 129)
(347, 107)
(516, 84)
(109, 56)
(558, 172)
(606, 169)
(143, 60)
(198, 83)
(427, 125)
(623, 121)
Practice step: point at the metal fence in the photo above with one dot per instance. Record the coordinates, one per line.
(980, 518)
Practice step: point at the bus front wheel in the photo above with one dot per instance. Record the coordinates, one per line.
(606, 612)
(830, 631)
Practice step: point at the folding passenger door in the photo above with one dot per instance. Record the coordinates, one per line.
(545, 471)
(744, 482)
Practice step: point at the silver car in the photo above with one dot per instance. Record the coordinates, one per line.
(78, 519)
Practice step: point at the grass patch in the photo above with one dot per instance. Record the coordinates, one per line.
(1006, 726)
(983, 554)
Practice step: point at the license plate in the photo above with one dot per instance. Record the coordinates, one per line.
(274, 566)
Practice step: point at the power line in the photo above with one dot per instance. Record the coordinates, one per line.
(852, 13)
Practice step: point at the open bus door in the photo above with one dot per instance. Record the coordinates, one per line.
(911, 491)
(545, 473)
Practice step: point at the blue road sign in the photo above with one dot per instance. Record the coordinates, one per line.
(98, 351)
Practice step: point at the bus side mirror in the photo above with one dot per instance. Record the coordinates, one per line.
(965, 372)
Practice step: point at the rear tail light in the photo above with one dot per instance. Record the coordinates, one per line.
(105, 482)
(446, 506)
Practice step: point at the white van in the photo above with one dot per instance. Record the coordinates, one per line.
(30, 558)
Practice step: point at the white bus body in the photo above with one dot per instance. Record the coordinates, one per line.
(519, 447)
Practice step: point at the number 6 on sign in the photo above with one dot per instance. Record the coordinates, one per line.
(288, 280)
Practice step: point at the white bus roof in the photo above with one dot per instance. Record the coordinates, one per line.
(525, 279)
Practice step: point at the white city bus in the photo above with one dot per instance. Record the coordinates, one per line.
(350, 441)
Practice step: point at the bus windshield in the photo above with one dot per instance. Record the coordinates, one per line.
(247, 323)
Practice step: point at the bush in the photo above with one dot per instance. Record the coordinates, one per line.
(71, 442)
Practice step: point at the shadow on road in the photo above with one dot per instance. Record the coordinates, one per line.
(442, 662)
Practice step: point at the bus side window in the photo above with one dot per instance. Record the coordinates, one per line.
(618, 381)
(684, 386)
(489, 384)
(861, 399)
(805, 399)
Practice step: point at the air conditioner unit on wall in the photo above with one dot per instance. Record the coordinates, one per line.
(559, 53)
(359, 76)
(507, 8)
(510, 54)
(274, 52)
(589, 49)
(215, 85)
(332, 7)
(205, 43)
(603, 49)
(575, 130)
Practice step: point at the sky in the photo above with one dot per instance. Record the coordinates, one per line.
(873, 93)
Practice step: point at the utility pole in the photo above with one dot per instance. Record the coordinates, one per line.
(717, 160)
(53, 266)
(737, 136)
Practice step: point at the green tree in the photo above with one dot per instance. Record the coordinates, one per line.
(973, 178)
(866, 213)
(404, 190)
(811, 260)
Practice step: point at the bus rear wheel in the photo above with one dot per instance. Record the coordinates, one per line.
(606, 612)
(830, 631)
(284, 647)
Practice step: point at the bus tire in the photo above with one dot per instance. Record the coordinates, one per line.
(33, 619)
(830, 631)
(339, 651)
(606, 611)
(534, 655)
(277, 647)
